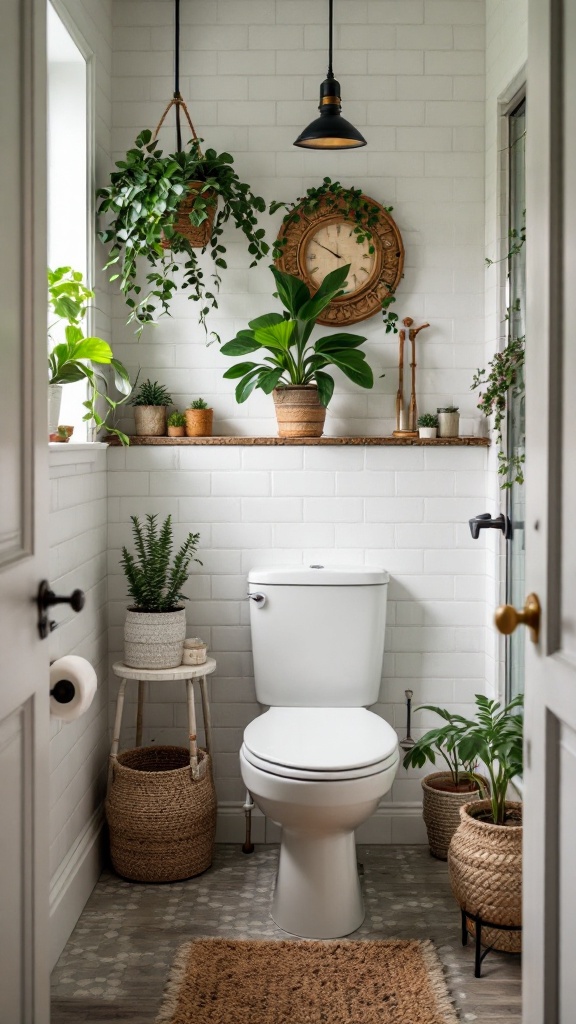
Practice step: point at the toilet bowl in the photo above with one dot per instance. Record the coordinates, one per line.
(319, 773)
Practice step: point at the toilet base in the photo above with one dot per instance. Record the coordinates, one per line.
(317, 892)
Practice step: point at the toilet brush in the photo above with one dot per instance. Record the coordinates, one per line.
(248, 845)
(408, 742)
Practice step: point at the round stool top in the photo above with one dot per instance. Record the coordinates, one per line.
(164, 674)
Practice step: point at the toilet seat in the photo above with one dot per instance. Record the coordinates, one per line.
(320, 744)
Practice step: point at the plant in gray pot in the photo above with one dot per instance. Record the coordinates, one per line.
(155, 626)
(150, 404)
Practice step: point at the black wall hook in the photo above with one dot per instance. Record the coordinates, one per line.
(485, 522)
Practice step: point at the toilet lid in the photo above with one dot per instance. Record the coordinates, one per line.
(335, 740)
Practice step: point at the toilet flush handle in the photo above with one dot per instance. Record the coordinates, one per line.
(260, 599)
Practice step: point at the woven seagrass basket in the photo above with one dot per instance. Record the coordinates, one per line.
(485, 868)
(197, 236)
(441, 811)
(162, 821)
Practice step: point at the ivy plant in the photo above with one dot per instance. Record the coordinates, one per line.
(141, 203)
(352, 203)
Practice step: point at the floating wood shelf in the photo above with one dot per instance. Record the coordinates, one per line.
(393, 442)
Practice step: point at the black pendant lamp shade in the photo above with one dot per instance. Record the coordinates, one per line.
(330, 130)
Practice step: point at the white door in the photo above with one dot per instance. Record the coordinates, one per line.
(550, 772)
(24, 706)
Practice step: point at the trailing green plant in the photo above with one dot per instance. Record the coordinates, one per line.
(352, 203)
(142, 201)
(155, 577)
(152, 393)
(198, 403)
(287, 357)
(428, 419)
(176, 419)
(503, 377)
(71, 360)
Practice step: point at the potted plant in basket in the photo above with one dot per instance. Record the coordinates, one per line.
(291, 367)
(485, 855)
(150, 404)
(155, 627)
(427, 425)
(176, 424)
(71, 360)
(444, 792)
(199, 419)
(162, 207)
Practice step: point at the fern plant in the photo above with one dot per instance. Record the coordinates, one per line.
(155, 578)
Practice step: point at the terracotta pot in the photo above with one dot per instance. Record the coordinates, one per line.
(197, 236)
(154, 639)
(298, 411)
(485, 868)
(441, 810)
(199, 422)
(150, 420)
(177, 431)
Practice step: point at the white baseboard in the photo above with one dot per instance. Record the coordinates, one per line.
(73, 882)
(399, 823)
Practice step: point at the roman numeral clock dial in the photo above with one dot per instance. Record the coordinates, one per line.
(317, 242)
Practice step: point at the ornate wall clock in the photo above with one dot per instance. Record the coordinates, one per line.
(316, 241)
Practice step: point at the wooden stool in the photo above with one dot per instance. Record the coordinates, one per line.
(187, 673)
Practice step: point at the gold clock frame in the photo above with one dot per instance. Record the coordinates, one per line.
(386, 273)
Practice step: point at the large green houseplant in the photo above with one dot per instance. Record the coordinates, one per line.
(288, 361)
(141, 205)
(155, 627)
(72, 359)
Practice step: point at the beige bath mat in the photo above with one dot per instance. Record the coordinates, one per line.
(221, 981)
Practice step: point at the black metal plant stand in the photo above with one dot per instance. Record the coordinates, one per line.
(479, 922)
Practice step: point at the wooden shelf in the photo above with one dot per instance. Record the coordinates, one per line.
(393, 442)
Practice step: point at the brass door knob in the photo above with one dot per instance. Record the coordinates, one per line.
(506, 618)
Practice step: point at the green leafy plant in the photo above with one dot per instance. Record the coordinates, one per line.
(155, 577)
(352, 203)
(71, 360)
(152, 393)
(142, 201)
(428, 419)
(449, 408)
(198, 403)
(290, 358)
(176, 419)
(504, 375)
(443, 743)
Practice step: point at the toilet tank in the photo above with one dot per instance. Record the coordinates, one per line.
(318, 634)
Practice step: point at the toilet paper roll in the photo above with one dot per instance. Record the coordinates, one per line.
(72, 687)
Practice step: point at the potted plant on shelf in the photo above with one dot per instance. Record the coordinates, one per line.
(485, 855)
(157, 205)
(150, 403)
(176, 424)
(427, 425)
(71, 360)
(155, 627)
(448, 421)
(290, 366)
(199, 419)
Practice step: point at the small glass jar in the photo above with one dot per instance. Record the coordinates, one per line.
(194, 652)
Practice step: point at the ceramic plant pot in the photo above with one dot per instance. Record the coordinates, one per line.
(448, 423)
(150, 420)
(441, 809)
(154, 639)
(199, 422)
(427, 432)
(54, 403)
(177, 431)
(299, 412)
(485, 868)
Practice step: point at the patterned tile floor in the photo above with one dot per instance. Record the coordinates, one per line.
(118, 957)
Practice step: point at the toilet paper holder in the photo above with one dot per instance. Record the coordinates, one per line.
(63, 691)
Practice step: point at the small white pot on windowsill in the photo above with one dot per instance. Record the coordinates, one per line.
(427, 432)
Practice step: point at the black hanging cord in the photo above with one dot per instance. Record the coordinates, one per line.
(177, 72)
(330, 19)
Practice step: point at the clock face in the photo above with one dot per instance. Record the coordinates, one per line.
(316, 241)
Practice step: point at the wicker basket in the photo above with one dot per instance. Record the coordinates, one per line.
(485, 867)
(441, 811)
(162, 821)
(299, 412)
(200, 235)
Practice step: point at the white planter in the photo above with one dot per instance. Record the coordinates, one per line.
(448, 424)
(154, 639)
(54, 403)
(428, 432)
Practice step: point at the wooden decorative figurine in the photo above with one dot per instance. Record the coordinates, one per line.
(406, 422)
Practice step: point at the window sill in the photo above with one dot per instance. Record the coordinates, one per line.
(68, 453)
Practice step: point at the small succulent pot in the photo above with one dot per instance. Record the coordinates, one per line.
(427, 432)
(150, 420)
(199, 422)
(154, 639)
(194, 652)
(176, 431)
(448, 422)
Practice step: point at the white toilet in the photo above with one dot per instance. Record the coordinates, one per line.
(318, 762)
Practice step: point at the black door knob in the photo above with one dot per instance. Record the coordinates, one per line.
(46, 598)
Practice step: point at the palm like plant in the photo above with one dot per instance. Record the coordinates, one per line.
(291, 358)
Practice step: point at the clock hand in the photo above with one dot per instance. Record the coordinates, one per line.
(337, 254)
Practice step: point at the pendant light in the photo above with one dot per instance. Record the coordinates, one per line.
(330, 130)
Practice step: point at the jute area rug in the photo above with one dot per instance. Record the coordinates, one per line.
(221, 981)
